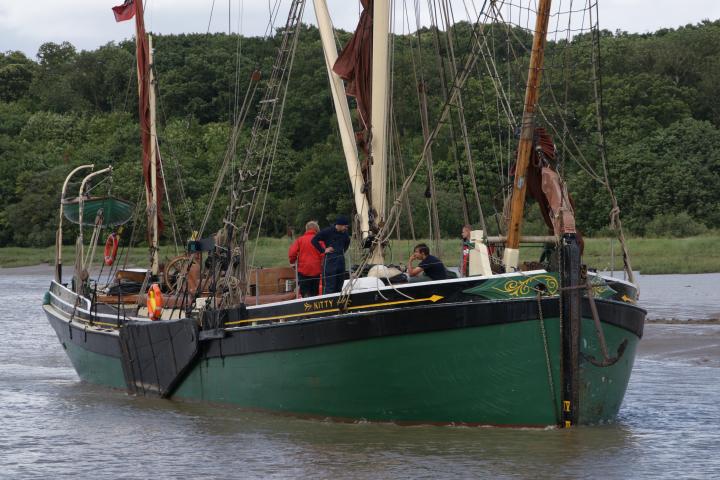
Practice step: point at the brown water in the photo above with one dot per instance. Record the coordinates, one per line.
(54, 426)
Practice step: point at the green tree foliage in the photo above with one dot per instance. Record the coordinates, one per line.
(53, 85)
(70, 108)
(674, 225)
(677, 169)
(105, 78)
(16, 73)
(321, 186)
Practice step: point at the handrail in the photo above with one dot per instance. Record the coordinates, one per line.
(81, 204)
(58, 234)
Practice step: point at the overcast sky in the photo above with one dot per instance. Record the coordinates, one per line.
(87, 24)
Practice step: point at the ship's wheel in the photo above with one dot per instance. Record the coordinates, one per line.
(175, 270)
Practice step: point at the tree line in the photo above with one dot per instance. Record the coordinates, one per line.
(661, 116)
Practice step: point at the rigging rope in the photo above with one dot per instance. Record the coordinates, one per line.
(232, 146)
(421, 84)
(249, 192)
(615, 221)
(461, 117)
(461, 77)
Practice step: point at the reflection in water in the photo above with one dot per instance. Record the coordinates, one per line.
(60, 427)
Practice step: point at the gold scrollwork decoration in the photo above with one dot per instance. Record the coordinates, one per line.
(526, 287)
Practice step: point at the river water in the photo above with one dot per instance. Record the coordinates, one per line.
(53, 426)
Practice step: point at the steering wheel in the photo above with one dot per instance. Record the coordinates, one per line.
(174, 271)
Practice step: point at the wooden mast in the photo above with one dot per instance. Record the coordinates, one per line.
(342, 110)
(146, 112)
(379, 116)
(532, 93)
(153, 207)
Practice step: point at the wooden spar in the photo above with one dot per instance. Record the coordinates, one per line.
(152, 210)
(343, 115)
(146, 112)
(379, 116)
(532, 93)
(59, 235)
(525, 239)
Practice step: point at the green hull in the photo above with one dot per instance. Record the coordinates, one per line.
(95, 368)
(488, 375)
(493, 375)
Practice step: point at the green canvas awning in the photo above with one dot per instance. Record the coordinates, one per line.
(115, 211)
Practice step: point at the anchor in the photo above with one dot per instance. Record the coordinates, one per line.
(606, 361)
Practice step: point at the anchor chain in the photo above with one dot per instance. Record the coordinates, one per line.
(551, 382)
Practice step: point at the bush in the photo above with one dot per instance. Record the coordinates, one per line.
(674, 225)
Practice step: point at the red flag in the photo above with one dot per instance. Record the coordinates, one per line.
(126, 11)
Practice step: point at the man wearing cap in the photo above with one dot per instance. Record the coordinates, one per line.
(336, 241)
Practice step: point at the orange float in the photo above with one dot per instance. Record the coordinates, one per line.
(154, 302)
(111, 248)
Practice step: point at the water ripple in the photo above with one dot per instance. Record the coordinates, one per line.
(54, 426)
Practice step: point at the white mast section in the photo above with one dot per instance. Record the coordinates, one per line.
(81, 205)
(59, 234)
(342, 110)
(379, 114)
(152, 199)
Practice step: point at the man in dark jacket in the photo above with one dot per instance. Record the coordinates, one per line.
(336, 241)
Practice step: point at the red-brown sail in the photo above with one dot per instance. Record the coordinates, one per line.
(543, 142)
(354, 63)
(143, 72)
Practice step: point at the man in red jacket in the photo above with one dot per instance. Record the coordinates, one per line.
(307, 260)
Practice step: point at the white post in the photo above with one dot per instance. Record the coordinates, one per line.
(59, 235)
(379, 114)
(81, 206)
(343, 114)
(479, 263)
(152, 207)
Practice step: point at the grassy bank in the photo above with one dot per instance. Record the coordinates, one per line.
(649, 255)
(659, 255)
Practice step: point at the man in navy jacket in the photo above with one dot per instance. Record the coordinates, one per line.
(337, 241)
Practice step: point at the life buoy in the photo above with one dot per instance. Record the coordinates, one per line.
(111, 248)
(154, 302)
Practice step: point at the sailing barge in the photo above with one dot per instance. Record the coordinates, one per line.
(512, 348)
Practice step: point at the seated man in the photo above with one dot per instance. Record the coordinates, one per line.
(429, 264)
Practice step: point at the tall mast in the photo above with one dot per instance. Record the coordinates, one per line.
(379, 115)
(342, 111)
(146, 112)
(153, 207)
(532, 93)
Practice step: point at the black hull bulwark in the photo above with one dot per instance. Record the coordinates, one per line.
(433, 352)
